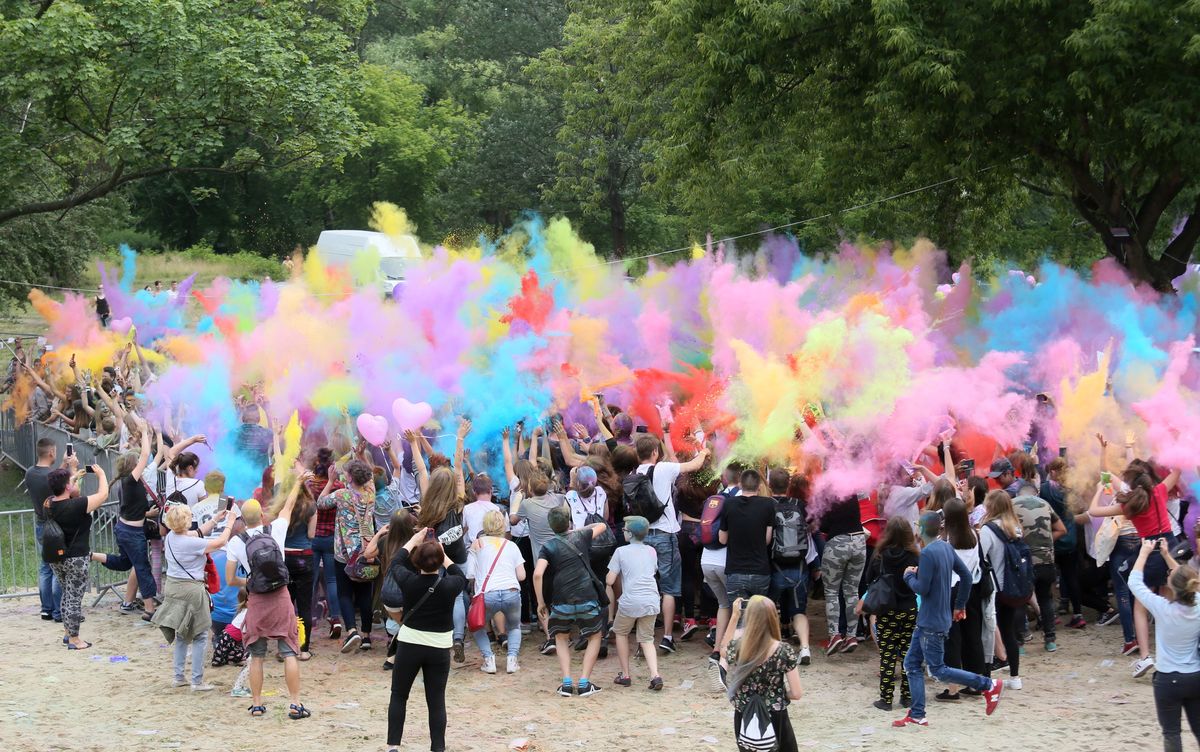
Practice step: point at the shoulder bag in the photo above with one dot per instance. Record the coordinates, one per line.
(477, 613)
(601, 591)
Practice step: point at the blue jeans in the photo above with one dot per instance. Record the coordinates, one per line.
(507, 602)
(1120, 563)
(929, 648)
(49, 588)
(670, 565)
(746, 585)
(322, 547)
(789, 588)
(196, 648)
(131, 540)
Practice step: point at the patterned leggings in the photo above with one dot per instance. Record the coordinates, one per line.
(895, 633)
(72, 574)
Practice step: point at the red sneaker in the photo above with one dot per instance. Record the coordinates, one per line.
(1130, 648)
(832, 645)
(908, 720)
(992, 696)
(848, 645)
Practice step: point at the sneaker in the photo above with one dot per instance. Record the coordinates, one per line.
(1025, 637)
(459, 655)
(908, 720)
(549, 648)
(690, 628)
(992, 696)
(946, 696)
(489, 665)
(1130, 648)
(565, 690)
(366, 643)
(623, 681)
(335, 630)
(848, 645)
(1077, 622)
(47, 616)
(883, 705)
(352, 642)
(179, 683)
(714, 658)
(998, 664)
(239, 692)
(667, 645)
(716, 677)
(656, 684)
(968, 692)
(129, 608)
(1014, 682)
(711, 637)
(833, 643)
(580, 644)
(526, 627)
(512, 666)
(205, 687)
(805, 656)
(1051, 646)
(1141, 667)
(1108, 617)
(586, 690)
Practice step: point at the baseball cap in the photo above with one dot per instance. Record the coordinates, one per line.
(1000, 467)
(638, 526)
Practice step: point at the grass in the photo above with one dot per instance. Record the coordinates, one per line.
(19, 554)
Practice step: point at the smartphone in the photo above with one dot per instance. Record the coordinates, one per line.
(968, 467)
(1062, 452)
(643, 429)
(70, 449)
(228, 503)
(90, 469)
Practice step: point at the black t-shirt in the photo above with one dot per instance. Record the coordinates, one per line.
(842, 518)
(457, 550)
(568, 571)
(76, 523)
(37, 483)
(746, 519)
(437, 613)
(133, 499)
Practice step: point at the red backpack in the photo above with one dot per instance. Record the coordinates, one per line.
(710, 521)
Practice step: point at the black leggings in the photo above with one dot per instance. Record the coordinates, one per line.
(528, 600)
(1009, 620)
(434, 665)
(783, 729)
(1068, 579)
(690, 577)
(300, 586)
(354, 595)
(964, 645)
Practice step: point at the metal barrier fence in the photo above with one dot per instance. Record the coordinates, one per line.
(20, 556)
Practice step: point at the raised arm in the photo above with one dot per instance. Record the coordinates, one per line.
(464, 428)
(95, 500)
(668, 447)
(290, 504)
(144, 455)
(414, 440)
(695, 463)
(219, 542)
(1096, 510)
(1172, 479)
(506, 452)
(948, 463)
(564, 444)
(176, 450)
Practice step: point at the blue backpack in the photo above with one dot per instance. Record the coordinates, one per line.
(1018, 569)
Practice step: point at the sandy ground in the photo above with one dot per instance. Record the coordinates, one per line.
(118, 696)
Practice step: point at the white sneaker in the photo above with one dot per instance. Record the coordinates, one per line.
(203, 687)
(512, 667)
(805, 656)
(179, 683)
(1012, 682)
(489, 665)
(1141, 667)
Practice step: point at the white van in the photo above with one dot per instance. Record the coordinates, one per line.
(340, 247)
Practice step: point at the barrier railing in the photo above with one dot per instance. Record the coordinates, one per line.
(20, 557)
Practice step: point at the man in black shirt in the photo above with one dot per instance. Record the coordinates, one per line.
(747, 523)
(38, 487)
(841, 568)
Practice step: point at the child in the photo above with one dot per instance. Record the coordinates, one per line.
(228, 649)
(636, 565)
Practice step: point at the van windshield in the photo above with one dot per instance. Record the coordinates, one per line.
(392, 267)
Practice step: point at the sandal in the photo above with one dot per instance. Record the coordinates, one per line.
(305, 656)
(73, 646)
(257, 710)
(298, 711)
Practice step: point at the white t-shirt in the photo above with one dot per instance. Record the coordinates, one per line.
(191, 488)
(236, 548)
(665, 474)
(713, 557)
(970, 557)
(185, 556)
(473, 515)
(581, 508)
(504, 576)
(636, 565)
(208, 508)
(519, 529)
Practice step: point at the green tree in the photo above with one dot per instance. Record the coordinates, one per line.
(1082, 102)
(99, 95)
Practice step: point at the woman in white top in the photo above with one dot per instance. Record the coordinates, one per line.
(585, 497)
(1176, 634)
(498, 570)
(1001, 515)
(964, 645)
(185, 614)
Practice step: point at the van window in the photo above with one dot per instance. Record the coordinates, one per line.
(392, 267)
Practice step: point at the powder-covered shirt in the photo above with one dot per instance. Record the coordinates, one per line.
(636, 564)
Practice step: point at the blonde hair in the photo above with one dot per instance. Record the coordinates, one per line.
(999, 509)
(440, 498)
(214, 482)
(493, 523)
(126, 463)
(760, 621)
(252, 513)
(179, 519)
(1185, 583)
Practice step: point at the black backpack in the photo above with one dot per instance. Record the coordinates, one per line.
(54, 540)
(1018, 569)
(264, 557)
(640, 499)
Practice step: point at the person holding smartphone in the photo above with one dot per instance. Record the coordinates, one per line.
(73, 513)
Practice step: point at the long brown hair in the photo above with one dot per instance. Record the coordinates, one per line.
(401, 527)
(943, 491)
(440, 498)
(303, 510)
(606, 477)
(998, 508)
(1136, 500)
(897, 533)
(957, 525)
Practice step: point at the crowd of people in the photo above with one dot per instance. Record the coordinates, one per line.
(591, 538)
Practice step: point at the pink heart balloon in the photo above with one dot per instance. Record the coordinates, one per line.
(122, 325)
(373, 428)
(409, 415)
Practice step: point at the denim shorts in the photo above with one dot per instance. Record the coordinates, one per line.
(789, 589)
(746, 585)
(670, 567)
(258, 648)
